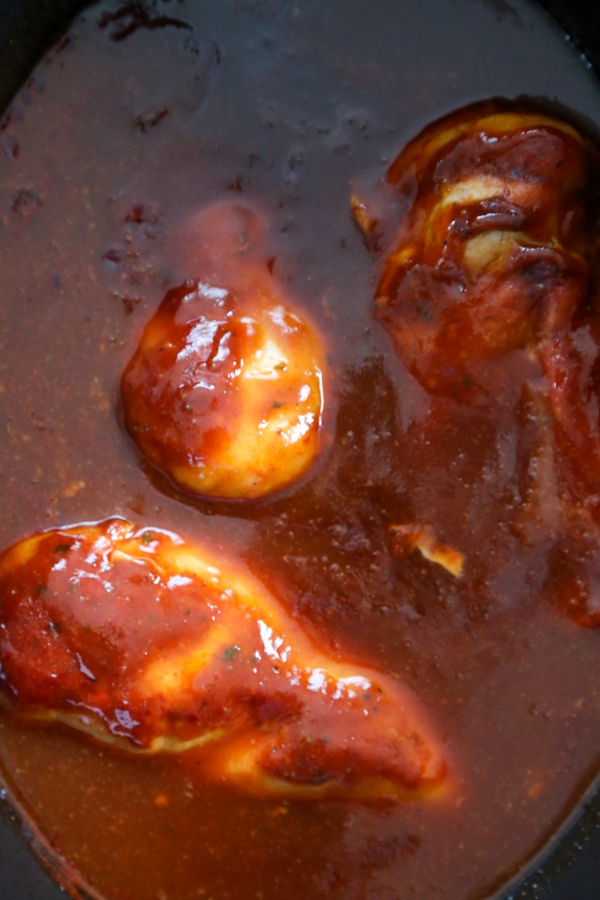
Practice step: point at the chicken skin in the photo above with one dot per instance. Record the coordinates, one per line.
(225, 392)
(492, 256)
(148, 643)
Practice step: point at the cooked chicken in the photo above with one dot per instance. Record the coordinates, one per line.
(489, 290)
(151, 644)
(225, 391)
(492, 254)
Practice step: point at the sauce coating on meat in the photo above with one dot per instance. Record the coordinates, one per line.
(225, 393)
(431, 538)
(149, 643)
(488, 289)
(492, 256)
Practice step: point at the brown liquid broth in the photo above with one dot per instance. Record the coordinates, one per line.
(109, 149)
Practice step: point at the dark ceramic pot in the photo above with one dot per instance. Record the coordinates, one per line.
(570, 868)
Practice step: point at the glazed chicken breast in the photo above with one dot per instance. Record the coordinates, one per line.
(225, 392)
(485, 230)
(155, 646)
(492, 254)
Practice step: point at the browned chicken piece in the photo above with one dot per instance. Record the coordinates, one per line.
(492, 254)
(156, 646)
(488, 288)
(225, 392)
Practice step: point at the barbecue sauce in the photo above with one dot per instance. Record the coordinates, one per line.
(414, 543)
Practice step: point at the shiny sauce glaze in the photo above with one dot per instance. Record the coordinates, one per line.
(157, 646)
(402, 549)
(225, 392)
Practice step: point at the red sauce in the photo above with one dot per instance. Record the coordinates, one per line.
(107, 160)
(157, 646)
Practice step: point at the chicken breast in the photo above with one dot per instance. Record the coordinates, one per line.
(155, 646)
(492, 254)
(225, 393)
(488, 286)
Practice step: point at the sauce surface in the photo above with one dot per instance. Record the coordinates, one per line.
(129, 128)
